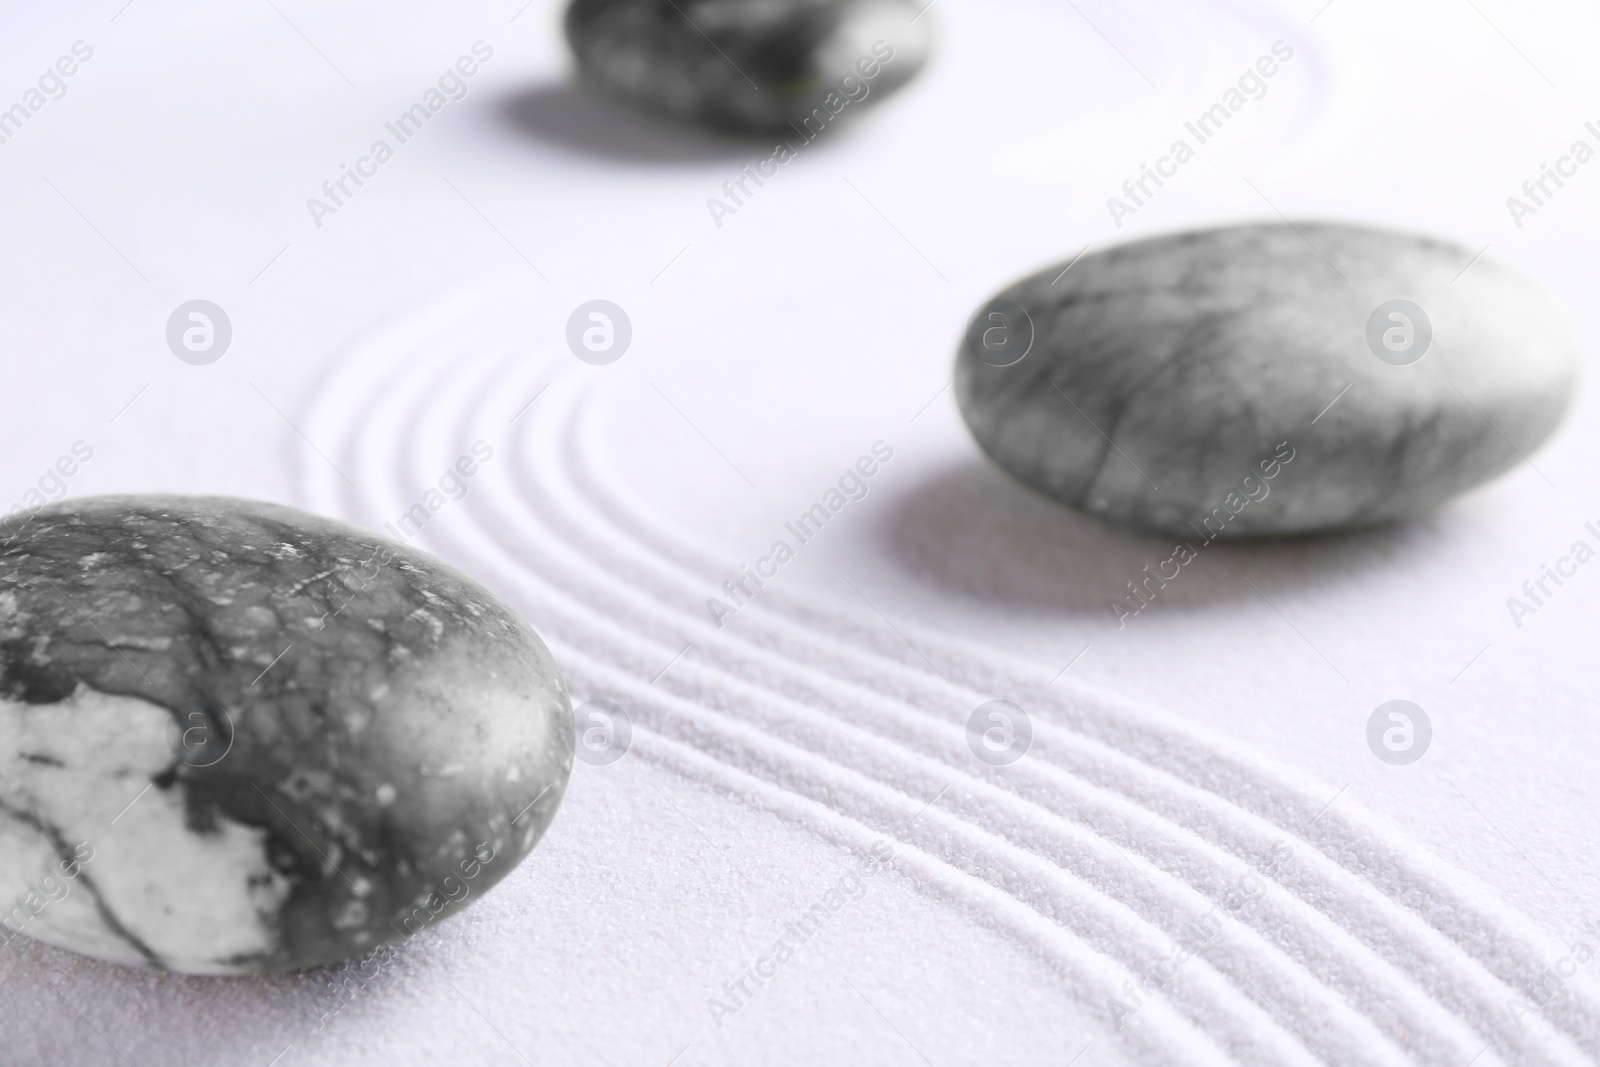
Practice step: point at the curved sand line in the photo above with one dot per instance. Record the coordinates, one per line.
(1016, 818)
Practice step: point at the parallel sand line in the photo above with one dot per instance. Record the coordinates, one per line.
(1115, 929)
(1165, 1037)
(602, 629)
(1060, 946)
(1219, 872)
(497, 376)
(1359, 980)
(1516, 950)
(1100, 917)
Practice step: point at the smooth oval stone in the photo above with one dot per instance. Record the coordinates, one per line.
(236, 738)
(749, 66)
(1256, 379)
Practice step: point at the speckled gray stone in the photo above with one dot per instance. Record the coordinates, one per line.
(1254, 379)
(237, 738)
(790, 67)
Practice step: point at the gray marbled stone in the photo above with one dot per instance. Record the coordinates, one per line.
(237, 738)
(749, 66)
(1182, 384)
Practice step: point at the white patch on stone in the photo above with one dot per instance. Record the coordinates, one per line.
(194, 899)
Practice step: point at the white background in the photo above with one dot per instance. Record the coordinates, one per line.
(820, 318)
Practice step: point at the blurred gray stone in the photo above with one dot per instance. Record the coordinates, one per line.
(1183, 384)
(749, 66)
(237, 738)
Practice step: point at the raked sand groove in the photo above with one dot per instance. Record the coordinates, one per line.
(1132, 888)
(741, 746)
(1158, 1041)
(1372, 852)
(1082, 851)
(1098, 850)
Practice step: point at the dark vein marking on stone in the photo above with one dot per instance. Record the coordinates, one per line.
(1109, 442)
(219, 674)
(109, 917)
(713, 44)
(1086, 489)
(68, 855)
(305, 835)
(108, 642)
